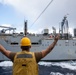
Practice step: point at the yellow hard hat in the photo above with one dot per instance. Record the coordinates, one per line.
(25, 42)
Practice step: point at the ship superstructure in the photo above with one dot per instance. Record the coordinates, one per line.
(65, 48)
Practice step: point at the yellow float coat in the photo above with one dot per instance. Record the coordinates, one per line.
(25, 64)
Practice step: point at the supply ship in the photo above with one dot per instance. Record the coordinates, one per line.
(65, 48)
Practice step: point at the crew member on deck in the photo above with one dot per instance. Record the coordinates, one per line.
(25, 62)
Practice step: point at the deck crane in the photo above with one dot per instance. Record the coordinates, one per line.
(62, 23)
(64, 27)
(7, 28)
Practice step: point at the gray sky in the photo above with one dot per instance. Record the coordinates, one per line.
(31, 9)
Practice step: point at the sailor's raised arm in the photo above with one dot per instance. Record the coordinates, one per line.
(4, 51)
(50, 48)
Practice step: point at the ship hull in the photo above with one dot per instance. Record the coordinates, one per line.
(64, 49)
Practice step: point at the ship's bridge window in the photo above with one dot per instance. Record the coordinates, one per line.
(35, 43)
(14, 43)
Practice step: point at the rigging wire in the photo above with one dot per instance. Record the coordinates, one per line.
(42, 12)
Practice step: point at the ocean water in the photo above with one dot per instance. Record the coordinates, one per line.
(45, 68)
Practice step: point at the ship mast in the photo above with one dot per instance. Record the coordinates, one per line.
(25, 28)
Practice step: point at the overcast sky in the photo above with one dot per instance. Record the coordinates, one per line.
(14, 12)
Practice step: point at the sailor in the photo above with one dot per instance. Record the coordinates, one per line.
(25, 62)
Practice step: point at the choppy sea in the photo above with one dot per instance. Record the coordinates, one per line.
(45, 68)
